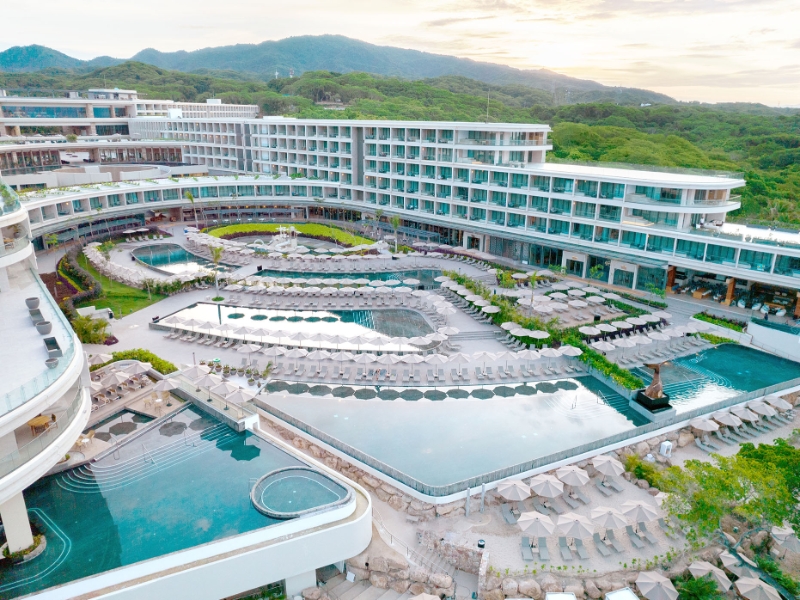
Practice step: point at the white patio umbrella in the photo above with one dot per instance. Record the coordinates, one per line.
(550, 352)
(576, 293)
(639, 510)
(701, 568)
(208, 381)
(224, 388)
(446, 311)
(725, 418)
(412, 359)
(490, 310)
(607, 465)
(296, 353)
(342, 356)
(662, 314)
(588, 330)
(595, 299)
(558, 296)
(702, 424)
(760, 408)
(527, 354)
(388, 359)
(573, 475)
(196, 372)
(273, 351)
(603, 346)
(658, 336)
(574, 525)
(547, 486)
(577, 304)
(449, 330)
(636, 321)
(544, 309)
(99, 359)
(776, 402)
(536, 524)
(612, 296)
(137, 368)
(437, 359)
(570, 351)
(539, 335)
(744, 413)
(240, 396)
(606, 327)
(96, 386)
(513, 489)
(171, 320)
(115, 379)
(655, 586)
(560, 286)
(755, 589)
(622, 324)
(364, 359)
(735, 565)
(608, 518)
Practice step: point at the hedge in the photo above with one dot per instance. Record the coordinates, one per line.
(311, 230)
(80, 278)
(733, 324)
(159, 364)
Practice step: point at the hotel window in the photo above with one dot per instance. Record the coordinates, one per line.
(427, 206)
(478, 196)
(462, 193)
(372, 198)
(688, 249)
(787, 265)
(114, 200)
(755, 261)
(477, 214)
(384, 200)
(94, 203)
(516, 156)
(445, 173)
(245, 190)
(657, 243)
(582, 231)
(540, 183)
(631, 239)
(131, 198)
(612, 190)
(462, 175)
(461, 212)
(480, 176)
(545, 256)
(560, 207)
(497, 217)
(538, 224)
(651, 276)
(539, 203)
(77, 206)
(430, 172)
(398, 201)
(226, 191)
(610, 213)
(500, 179)
(151, 196)
(413, 170)
(429, 189)
(519, 181)
(264, 190)
(170, 194)
(499, 198)
(663, 219)
(721, 254)
(585, 210)
(517, 201)
(586, 188)
(101, 112)
(444, 209)
(562, 186)
(557, 227)
(515, 220)
(606, 235)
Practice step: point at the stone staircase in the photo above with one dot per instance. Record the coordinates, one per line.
(338, 588)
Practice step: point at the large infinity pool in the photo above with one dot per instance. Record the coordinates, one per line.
(172, 259)
(162, 495)
(425, 276)
(287, 326)
(444, 435)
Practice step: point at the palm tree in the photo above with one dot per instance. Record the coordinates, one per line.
(190, 197)
(395, 221)
(216, 257)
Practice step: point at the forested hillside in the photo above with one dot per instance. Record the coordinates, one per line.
(761, 141)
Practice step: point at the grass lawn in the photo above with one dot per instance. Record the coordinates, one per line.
(311, 229)
(120, 298)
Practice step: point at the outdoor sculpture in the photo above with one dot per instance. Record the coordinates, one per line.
(653, 397)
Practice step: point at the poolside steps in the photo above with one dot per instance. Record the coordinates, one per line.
(474, 335)
(339, 588)
(93, 478)
(351, 590)
(374, 593)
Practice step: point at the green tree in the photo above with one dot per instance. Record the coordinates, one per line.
(395, 221)
(190, 197)
(702, 588)
(89, 330)
(51, 239)
(216, 257)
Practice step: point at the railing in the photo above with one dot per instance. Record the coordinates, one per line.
(537, 463)
(33, 387)
(13, 246)
(413, 555)
(20, 456)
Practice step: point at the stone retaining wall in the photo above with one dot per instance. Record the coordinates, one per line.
(462, 557)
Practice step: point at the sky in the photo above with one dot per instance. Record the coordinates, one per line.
(704, 50)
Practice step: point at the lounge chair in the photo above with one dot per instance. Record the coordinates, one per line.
(615, 544)
(540, 507)
(556, 508)
(301, 369)
(564, 549)
(431, 377)
(572, 503)
(544, 553)
(723, 438)
(635, 539)
(601, 545)
(393, 376)
(359, 373)
(506, 510)
(646, 534)
(405, 375)
(323, 373)
(581, 496)
(465, 374)
(581, 549)
(702, 446)
(613, 484)
(346, 375)
(489, 374)
(668, 531)
(440, 375)
(709, 443)
(478, 373)
(525, 546)
(603, 489)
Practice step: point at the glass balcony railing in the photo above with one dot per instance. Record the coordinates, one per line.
(33, 387)
(37, 445)
(14, 245)
(9, 201)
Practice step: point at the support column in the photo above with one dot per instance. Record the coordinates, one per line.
(730, 292)
(671, 272)
(15, 520)
(296, 584)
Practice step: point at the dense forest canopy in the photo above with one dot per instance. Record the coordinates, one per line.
(760, 141)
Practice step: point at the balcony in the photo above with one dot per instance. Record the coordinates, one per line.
(13, 245)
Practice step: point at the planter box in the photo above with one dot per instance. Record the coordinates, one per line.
(36, 315)
(53, 349)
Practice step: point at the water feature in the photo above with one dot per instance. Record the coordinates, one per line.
(172, 259)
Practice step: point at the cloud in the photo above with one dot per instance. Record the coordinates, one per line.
(454, 20)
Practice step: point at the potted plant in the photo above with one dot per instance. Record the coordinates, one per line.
(251, 381)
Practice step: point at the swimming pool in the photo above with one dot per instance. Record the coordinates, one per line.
(388, 323)
(294, 491)
(172, 259)
(165, 493)
(119, 425)
(425, 276)
(719, 373)
(437, 437)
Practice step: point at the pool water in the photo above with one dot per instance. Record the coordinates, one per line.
(119, 425)
(162, 495)
(441, 442)
(172, 259)
(387, 323)
(718, 373)
(425, 276)
(298, 490)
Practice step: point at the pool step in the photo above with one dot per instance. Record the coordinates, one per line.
(92, 478)
(340, 587)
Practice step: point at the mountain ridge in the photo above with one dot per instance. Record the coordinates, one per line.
(337, 54)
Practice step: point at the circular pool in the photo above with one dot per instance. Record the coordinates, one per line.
(292, 492)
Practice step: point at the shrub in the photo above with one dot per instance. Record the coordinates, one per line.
(702, 588)
(89, 330)
(643, 470)
(80, 278)
(312, 230)
(716, 339)
(159, 364)
(771, 567)
(734, 324)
